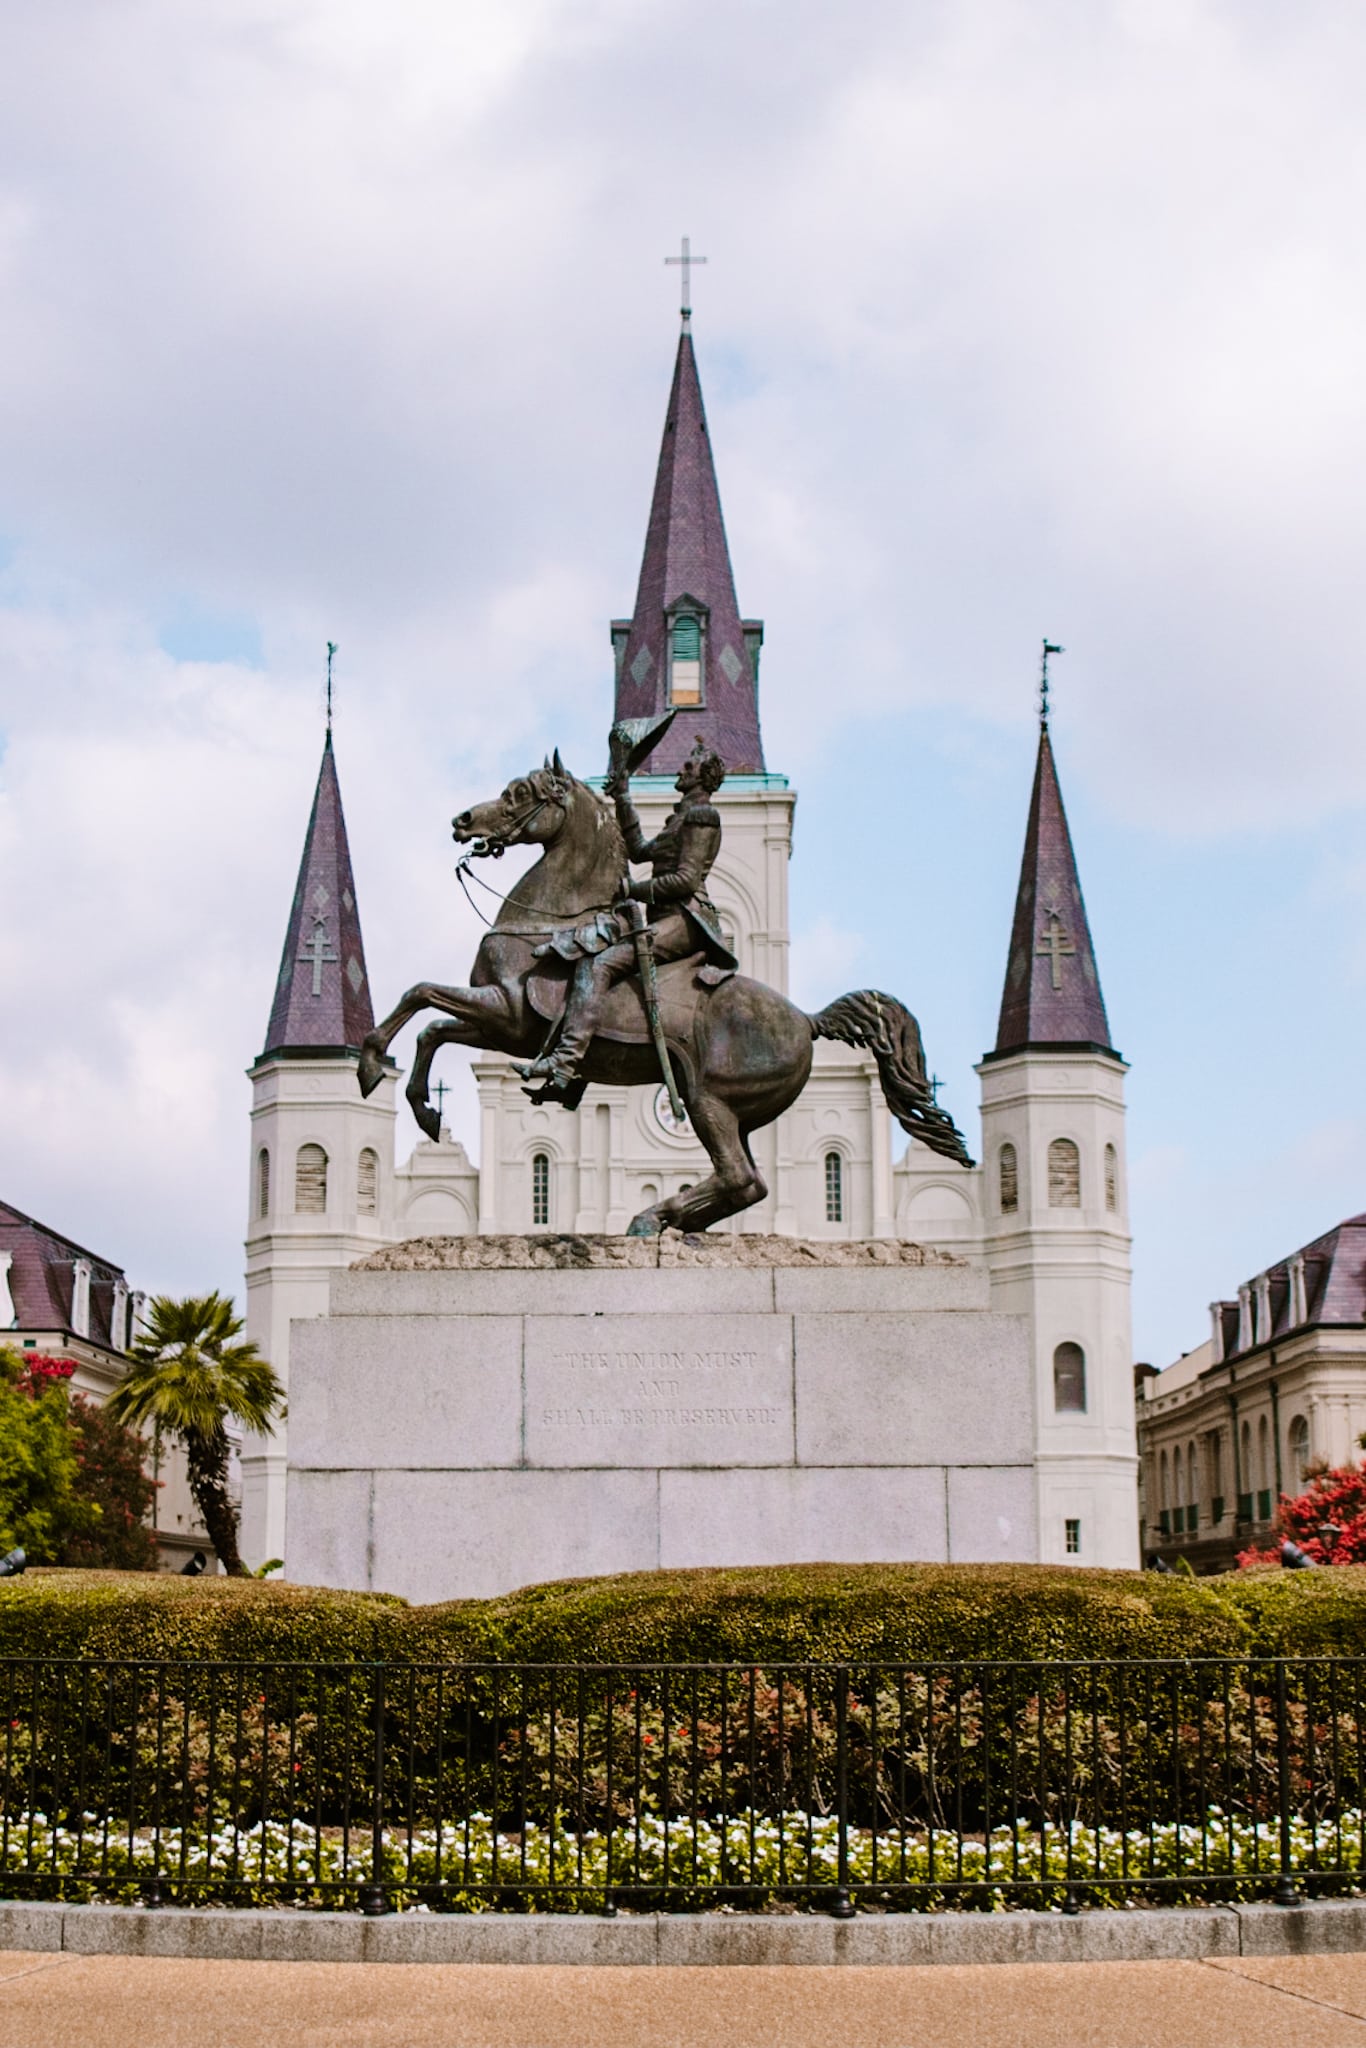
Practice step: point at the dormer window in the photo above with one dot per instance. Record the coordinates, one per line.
(685, 659)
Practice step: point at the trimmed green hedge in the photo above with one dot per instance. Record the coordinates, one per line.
(818, 1612)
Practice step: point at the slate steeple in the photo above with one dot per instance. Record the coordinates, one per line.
(1052, 995)
(685, 643)
(322, 999)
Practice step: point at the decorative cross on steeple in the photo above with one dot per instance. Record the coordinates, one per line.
(316, 951)
(331, 650)
(1049, 647)
(1054, 941)
(687, 260)
(440, 1091)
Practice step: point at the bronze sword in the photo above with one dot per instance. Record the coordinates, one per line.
(649, 982)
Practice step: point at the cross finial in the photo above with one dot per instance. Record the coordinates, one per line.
(440, 1091)
(1049, 647)
(686, 259)
(331, 650)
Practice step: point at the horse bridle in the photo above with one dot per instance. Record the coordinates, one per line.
(492, 847)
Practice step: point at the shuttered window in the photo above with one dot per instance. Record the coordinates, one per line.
(263, 1182)
(367, 1183)
(310, 1181)
(1064, 1175)
(685, 661)
(1111, 1178)
(1010, 1181)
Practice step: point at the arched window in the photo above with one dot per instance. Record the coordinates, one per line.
(263, 1182)
(1299, 1450)
(1164, 1499)
(1010, 1180)
(367, 1183)
(1245, 1440)
(1064, 1175)
(1192, 1476)
(1264, 1455)
(834, 1188)
(1069, 1379)
(540, 1190)
(685, 660)
(1111, 1178)
(310, 1181)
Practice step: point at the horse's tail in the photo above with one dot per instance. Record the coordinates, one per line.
(885, 1028)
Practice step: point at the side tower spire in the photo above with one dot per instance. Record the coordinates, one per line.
(321, 1168)
(322, 996)
(1054, 1195)
(686, 644)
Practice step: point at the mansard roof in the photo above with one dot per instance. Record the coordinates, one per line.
(322, 997)
(687, 563)
(42, 1277)
(1052, 992)
(1334, 1288)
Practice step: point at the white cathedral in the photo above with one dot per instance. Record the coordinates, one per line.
(1045, 1212)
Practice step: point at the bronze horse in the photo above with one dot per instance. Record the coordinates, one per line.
(740, 1051)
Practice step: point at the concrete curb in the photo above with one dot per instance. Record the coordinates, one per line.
(1327, 1927)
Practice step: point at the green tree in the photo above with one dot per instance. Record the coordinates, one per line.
(38, 1468)
(189, 1376)
(111, 1478)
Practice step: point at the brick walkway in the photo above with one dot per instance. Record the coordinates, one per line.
(72, 2001)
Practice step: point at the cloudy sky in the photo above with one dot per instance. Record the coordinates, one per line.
(332, 319)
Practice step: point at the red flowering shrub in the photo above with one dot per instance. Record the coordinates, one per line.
(42, 1370)
(1336, 1496)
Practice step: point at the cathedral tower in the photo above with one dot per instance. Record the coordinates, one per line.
(1055, 1204)
(320, 1173)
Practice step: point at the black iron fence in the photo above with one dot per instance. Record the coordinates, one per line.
(586, 1788)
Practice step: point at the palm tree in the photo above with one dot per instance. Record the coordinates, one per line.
(187, 1377)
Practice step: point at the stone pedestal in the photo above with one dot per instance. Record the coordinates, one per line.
(479, 1413)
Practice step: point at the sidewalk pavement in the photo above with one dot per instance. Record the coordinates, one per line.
(75, 2001)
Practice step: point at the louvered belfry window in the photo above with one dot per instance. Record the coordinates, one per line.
(1064, 1175)
(1010, 1181)
(685, 660)
(834, 1188)
(540, 1190)
(263, 1182)
(367, 1183)
(310, 1181)
(1111, 1178)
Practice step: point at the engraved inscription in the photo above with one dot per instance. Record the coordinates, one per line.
(659, 1382)
(644, 1390)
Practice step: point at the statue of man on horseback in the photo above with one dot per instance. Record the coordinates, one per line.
(585, 975)
(682, 919)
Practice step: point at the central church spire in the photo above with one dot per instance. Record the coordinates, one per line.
(686, 645)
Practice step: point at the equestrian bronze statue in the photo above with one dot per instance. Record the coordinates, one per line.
(587, 976)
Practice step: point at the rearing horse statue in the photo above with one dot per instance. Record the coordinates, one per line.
(741, 1053)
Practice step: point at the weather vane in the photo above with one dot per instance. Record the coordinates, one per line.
(687, 260)
(331, 650)
(1049, 647)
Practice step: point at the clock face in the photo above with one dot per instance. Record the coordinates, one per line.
(666, 1119)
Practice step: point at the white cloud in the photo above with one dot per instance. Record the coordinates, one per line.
(351, 322)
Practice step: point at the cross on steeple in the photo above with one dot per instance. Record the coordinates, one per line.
(331, 650)
(1054, 941)
(440, 1091)
(316, 951)
(687, 260)
(1049, 647)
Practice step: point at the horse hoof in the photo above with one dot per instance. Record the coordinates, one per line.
(370, 1069)
(647, 1224)
(427, 1120)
